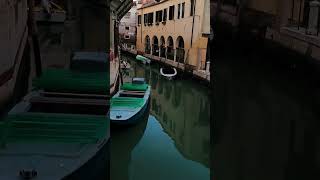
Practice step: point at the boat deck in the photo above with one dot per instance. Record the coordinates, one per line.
(45, 127)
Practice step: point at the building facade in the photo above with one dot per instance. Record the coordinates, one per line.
(175, 31)
(14, 49)
(127, 27)
(295, 24)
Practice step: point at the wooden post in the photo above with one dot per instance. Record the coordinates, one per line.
(33, 31)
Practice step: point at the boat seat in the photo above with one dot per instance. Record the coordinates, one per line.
(132, 93)
(61, 100)
(136, 91)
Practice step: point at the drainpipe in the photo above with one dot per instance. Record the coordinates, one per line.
(142, 16)
(193, 8)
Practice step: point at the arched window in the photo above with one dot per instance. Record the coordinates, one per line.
(162, 47)
(147, 48)
(180, 50)
(170, 50)
(155, 46)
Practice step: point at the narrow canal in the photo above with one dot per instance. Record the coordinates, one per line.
(266, 115)
(173, 141)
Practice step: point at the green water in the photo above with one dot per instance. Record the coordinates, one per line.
(170, 143)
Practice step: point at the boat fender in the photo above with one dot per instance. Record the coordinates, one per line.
(27, 174)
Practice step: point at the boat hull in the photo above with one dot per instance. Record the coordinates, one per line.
(96, 168)
(143, 59)
(168, 76)
(134, 119)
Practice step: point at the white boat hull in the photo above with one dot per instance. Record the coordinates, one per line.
(169, 76)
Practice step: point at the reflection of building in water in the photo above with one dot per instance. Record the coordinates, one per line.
(186, 125)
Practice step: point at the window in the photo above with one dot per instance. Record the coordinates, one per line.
(150, 18)
(171, 12)
(127, 27)
(182, 10)
(178, 11)
(164, 15)
(192, 8)
(159, 16)
(145, 19)
(139, 19)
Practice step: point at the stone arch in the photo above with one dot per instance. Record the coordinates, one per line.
(170, 48)
(147, 48)
(162, 47)
(155, 46)
(180, 51)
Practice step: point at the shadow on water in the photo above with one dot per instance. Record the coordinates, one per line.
(123, 141)
(266, 118)
(176, 142)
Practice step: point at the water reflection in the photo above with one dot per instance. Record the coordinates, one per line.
(265, 119)
(176, 138)
(123, 141)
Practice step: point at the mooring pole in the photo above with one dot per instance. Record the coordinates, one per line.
(33, 31)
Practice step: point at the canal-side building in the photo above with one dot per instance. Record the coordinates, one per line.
(15, 58)
(176, 32)
(294, 24)
(118, 8)
(128, 29)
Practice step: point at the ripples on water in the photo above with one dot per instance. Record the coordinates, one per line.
(173, 142)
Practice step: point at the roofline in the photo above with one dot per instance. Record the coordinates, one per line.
(151, 4)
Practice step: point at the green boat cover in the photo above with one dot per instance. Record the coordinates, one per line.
(44, 127)
(63, 80)
(127, 102)
(141, 58)
(134, 87)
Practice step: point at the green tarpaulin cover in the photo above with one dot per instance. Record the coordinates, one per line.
(63, 80)
(134, 87)
(126, 102)
(44, 127)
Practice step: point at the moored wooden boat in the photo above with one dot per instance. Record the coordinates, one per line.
(51, 140)
(130, 104)
(143, 59)
(168, 73)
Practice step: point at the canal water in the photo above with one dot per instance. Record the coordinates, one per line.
(173, 141)
(266, 115)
